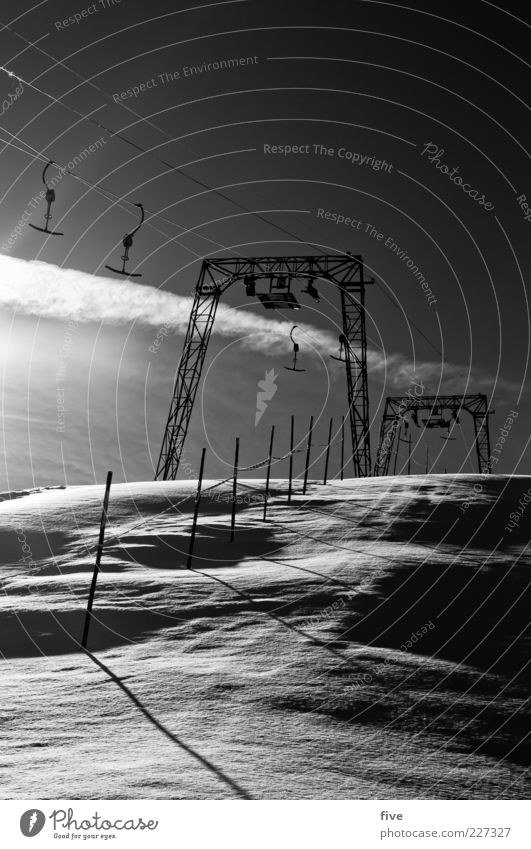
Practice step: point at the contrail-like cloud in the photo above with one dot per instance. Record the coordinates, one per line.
(47, 291)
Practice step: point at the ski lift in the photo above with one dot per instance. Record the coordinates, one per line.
(295, 352)
(343, 342)
(311, 290)
(127, 243)
(49, 197)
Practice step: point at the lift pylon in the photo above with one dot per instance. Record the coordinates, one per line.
(216, 276)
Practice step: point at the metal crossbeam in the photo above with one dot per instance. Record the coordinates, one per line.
(396, 408)
(217, 275)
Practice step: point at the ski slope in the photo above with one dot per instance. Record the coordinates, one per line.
(366, 641)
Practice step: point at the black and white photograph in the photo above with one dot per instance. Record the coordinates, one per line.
(265, 479)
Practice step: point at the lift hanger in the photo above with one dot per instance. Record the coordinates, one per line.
(342, 349)
(311, 290)
(127, 243)
(49, 197)
(295, 352)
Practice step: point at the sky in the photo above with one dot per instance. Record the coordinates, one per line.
(249, 129)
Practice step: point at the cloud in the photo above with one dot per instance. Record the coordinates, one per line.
(47, 291)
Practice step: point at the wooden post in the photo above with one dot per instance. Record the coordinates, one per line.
(196, 509)
(234, 489)
(291, 458)
(99, 551)
(328, 452)
(308, 449)
(342, 444)
(268, 476)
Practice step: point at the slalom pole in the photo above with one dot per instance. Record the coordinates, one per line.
(234, 488)
(196, 509)
(308, 449)
(291, 458)
(268, 476)
(99, 551)
(327, 452)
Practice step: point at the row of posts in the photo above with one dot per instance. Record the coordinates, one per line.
(197, 500)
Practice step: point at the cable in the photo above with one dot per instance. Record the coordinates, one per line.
(131, 111)
(118, 200)
(167, 165)
(179, 171)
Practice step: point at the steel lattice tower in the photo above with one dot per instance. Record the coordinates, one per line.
(217, 275)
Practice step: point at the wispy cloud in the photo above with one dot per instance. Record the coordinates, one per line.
(45, 290)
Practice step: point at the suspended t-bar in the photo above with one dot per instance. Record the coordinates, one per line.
(50, 198)
(327, 457)
(234, 489)
(293, 367)
(268, 475)
(99, 552)
(127, 243)
(196, 510)
(291, 446)
(308, 449)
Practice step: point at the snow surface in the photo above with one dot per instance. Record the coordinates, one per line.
(284, 664)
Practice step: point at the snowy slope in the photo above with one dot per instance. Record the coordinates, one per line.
(366, 641)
